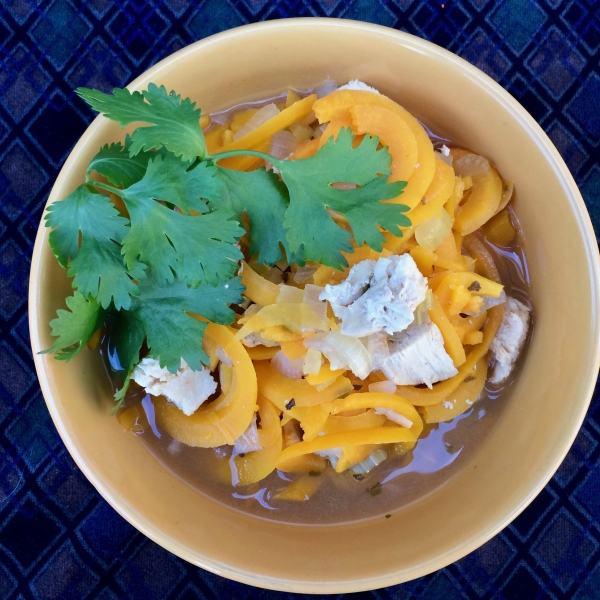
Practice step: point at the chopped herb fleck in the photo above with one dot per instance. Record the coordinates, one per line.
(468, 378)
(314, 473)
(290, 404)
(387, 516)
(474, 287)
(375, 490)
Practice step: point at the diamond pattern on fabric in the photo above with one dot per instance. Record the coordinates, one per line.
(58, 537)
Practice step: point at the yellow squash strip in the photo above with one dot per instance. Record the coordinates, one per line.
(456, 197)
(224, 420)
(399, 245)
(467, 325)
(437, 194)
(451, 339)
(441, 391)
(484, 262)
(284, 119)
(448, 250)
(258, 289)
(307, 150)
(280, 333)
(293, 350)
(473, 338)
(418, 183)
(380, 400)
(364, 420)
(313, 419)
(499, 229)
(375, 435)
(486, 287)
(246, 163)
(295, 317)
(280, 389)
(352, 455)
(426, 259)
(255, 466)
(462, 398)
(508, 188)
(300, 490)
(262, 352)
(305, 464)
(393, 132)
(241, 117)
(481, 204)
(340, 120)
(324, 377)
(214, 138)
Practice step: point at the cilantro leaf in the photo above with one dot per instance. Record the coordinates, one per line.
(264, 199)
(167, 178)
(195, 248)
(174, 123)
(114, 163)
(160, 315)
(73, 328)
(309, 183)
(97, 265)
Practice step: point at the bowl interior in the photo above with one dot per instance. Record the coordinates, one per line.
(546, 404)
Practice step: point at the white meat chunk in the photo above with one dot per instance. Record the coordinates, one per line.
(377, 296)
(509, 340)
(249, 440)
(186, 389)
(419, 358)
(355, 84)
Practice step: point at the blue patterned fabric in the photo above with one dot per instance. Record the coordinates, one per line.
(58, 539)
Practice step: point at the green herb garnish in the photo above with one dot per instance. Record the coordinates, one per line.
(171, 250)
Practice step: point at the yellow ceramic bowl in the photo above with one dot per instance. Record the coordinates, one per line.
(546, 405)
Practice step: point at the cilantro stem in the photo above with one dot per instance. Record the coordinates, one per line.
(105, 186)
(232, 153)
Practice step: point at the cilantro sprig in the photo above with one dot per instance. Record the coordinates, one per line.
(151, 237)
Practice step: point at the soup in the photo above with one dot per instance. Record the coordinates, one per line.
(405, 475)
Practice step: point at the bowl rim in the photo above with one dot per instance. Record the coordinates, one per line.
(577, 205)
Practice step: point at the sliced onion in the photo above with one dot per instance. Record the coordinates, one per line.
(312, 362)
(289, 293)
(342, 351)
(304, 274)
(220, 352)
(432, 232)
(471, 164)
(379, 350)
(326, 88)
(289, 368)
(262, 115)
(311, 297)
(283, 145)
(301, 132)
(395, 417)
(370, 462)
(383, 387)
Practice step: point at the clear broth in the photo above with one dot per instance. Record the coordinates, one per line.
(440, 453)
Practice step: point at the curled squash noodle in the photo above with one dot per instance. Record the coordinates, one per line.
(257, 465)
(226, 418)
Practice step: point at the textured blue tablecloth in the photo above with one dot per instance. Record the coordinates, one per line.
(58, 538)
